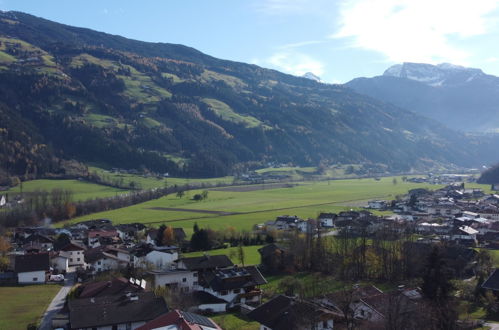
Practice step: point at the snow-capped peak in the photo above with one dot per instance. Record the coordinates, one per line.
(434, 75)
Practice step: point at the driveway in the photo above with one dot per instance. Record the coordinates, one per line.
(493, 326)
(57, 303)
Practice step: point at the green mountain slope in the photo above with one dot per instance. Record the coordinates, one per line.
(72, 93)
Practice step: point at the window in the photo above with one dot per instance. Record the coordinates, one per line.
(78, 259)
(195, 283)
(224, 292)
(324, 324)
(35, 279)
(237, 290)
(195, 274)
(99, 263)
(184, 279)
(70, 259)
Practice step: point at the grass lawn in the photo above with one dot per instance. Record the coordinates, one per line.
(22, 305)
(81, 190)
(245, 209)
(251, 255)
(234, 321)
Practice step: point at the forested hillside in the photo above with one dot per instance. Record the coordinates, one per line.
(68, 93)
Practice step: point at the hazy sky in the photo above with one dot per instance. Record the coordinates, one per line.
(337, 40)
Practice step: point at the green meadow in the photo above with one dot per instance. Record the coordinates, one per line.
(251, 255)
(21, 305)
(243, 209)
(82, 190)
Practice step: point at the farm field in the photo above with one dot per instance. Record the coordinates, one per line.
(251, 255)
(244, 209)
(81, 190)
(24, 305)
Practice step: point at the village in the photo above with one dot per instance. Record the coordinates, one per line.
(129, 276)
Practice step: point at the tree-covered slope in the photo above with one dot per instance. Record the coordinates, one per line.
(72, 93)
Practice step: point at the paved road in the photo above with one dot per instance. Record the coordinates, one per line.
(57, 303)
(493, 326)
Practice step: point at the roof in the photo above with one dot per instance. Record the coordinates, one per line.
(101, 252)
(270, 249)
(492, 282)
(182, 320)
(234, 278)
(32, 263)
(204, 297)
(74, 246)
(115, 309)
(206, 262)
(102, 233)
(39, 238)
(108, 288)
(287, 313)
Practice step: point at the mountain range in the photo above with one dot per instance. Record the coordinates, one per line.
(72, 96)
(461, 98)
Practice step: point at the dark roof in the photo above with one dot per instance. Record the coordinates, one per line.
(492, 282)
(115, 309)
(204, 297)
(270, 249)
(39, 238)
(182, 320)
(179, 234)
(234, 278)
(206, 262)
(115, 286)
(32, 263)
(289, 313)
(92, 255)
(74, 246)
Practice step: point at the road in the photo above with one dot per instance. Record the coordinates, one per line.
(57, 303)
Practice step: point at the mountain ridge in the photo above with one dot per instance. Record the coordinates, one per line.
(80, 94)
(464, 99)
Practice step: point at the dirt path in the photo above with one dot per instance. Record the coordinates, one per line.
(255, 187)
(193, 211)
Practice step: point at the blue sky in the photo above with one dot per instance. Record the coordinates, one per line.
(337, 40)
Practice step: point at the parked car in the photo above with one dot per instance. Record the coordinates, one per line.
(56, 278)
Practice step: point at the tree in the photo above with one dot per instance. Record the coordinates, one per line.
(200, 240)
(4, 248)
(160, 235)
(394, 181)
(195, 228)
(180, 193)
(290, 286)
(437, 284)
(204, 194)
(168, 236)
(240, 254)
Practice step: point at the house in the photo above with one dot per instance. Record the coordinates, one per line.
(59, 261)
(3, 201)
(157, 258)
(183, 280)
(377, 204)
(284, 222)
(115, 286)
(97, 237)
(276, 258)
(326, 220)
(31, 268)
(121, 311)
(75, 252)
(205, 262)
(464, 233)
(106, 258)
(178, 234)
(287, 313)
(44, 242)
(178, 319)
(234, 285)
(130, 231)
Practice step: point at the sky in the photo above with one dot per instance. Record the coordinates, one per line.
(338, 40)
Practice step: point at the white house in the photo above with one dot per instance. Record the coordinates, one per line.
(31, 268)
(327, 220)
(60, 261)
(3, 201)
(185, 280)
(75, 253)
(106, 258)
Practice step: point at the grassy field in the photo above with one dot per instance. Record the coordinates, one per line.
(243, 209)
(251, 255)
(81, 190)
(23, 305)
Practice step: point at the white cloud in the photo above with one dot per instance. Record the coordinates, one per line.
(301, 44)
(294, 63)
(415, 30)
